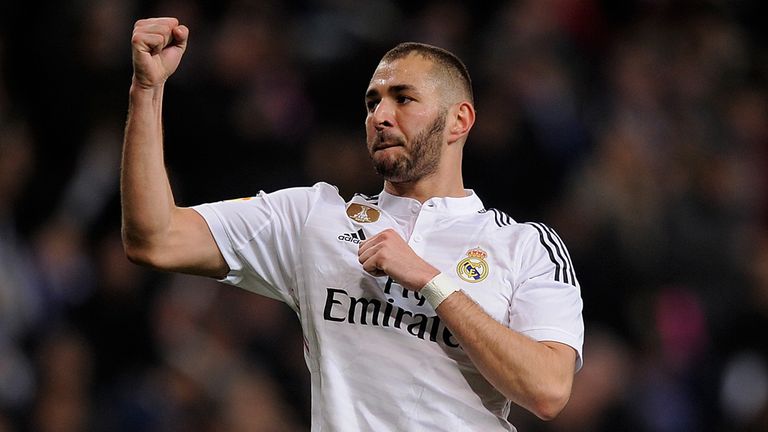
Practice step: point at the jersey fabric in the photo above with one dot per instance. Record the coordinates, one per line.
(380, 358)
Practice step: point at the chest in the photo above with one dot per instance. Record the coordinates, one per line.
(459, 247)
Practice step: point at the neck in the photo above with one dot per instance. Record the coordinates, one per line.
(443, 183)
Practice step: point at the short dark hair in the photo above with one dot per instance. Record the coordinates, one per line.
(449, 62)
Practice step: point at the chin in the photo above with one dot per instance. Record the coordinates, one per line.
(390, 170)
(388, 160)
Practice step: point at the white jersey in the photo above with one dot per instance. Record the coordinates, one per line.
(379, 356)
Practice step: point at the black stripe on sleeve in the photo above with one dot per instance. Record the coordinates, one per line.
(546, 245)
(502, 219)
(559, 252)
(497, 217)
(566, 255)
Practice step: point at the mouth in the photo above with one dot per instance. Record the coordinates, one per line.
(384, 146)
(383, 142)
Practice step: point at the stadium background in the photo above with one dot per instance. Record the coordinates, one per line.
(638, 129)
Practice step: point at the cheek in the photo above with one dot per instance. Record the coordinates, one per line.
(415, 121)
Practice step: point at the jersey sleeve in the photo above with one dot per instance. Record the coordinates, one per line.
(259, 236)
(546, 304)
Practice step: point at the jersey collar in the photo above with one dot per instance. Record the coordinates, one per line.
(404, 206)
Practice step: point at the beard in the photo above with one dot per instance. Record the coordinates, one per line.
(421, 160)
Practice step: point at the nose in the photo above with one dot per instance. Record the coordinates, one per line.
(383, 116)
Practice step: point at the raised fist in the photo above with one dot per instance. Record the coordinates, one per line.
(157, 47)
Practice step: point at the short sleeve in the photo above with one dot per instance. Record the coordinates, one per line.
(546, 304)
(258, 237)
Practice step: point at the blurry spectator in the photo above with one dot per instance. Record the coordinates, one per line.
(335, 157)
(63, 401)
(602, 390)
(4, 101)
(446, 24)
(743, 391)
(20, 301)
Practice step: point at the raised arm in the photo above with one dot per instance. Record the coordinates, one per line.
(156, 232)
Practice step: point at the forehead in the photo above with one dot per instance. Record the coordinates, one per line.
(411, 71)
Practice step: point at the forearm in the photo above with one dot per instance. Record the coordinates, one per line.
(530, 373)
(146, 197)
(535, 375)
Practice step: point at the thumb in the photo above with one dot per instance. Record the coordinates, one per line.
(180, 36)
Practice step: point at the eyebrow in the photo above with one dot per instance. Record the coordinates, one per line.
(395, 89)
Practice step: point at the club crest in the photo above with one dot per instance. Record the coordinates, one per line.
(362, 213)
(473, 268)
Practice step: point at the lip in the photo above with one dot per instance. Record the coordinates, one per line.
(385, 146)
(384, 141)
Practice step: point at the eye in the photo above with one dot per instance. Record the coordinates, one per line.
(402, 100)
(370, 104)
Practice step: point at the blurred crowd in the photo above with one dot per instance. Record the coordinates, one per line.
(637, 129)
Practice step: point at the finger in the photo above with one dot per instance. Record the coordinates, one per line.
(169, 22)
(364, 254)
(371, 267)
(378, 238)
(155, 35)
(366, 245)
(150, 42)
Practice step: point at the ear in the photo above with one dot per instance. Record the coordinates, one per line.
(461, 118)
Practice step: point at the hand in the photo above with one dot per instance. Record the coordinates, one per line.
(387, 254)
(157, 47)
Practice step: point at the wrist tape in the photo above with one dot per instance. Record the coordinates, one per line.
(438, 289)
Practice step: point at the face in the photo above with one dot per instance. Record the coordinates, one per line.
(406, 121)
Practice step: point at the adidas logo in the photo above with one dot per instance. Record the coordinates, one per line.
(354, 238)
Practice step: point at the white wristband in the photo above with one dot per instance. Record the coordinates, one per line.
(438, 289)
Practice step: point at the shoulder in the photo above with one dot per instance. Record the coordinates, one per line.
(542, 232)
(320, 190)
(500, 220)
(546, 247)
(294, 200)
(505, 225)
(522, 236)
(298, 197)
(497, 217)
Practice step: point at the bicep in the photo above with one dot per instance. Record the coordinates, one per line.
(190, 247)
(562, 367)
(565, 357)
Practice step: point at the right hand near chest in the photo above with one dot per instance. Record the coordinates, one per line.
(157, 47)
(388, 254)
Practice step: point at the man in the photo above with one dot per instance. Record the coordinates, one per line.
(421, 310)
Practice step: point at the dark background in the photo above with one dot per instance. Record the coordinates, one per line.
(637, 129)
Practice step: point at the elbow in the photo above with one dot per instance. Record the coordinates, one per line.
(548, 405)
(137, 255)
(139, 252)
(550, 409)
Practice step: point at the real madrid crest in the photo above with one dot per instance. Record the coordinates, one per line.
(473, 268)
(362, 213)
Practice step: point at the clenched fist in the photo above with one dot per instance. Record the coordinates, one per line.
(388, 254)
(157, 47)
